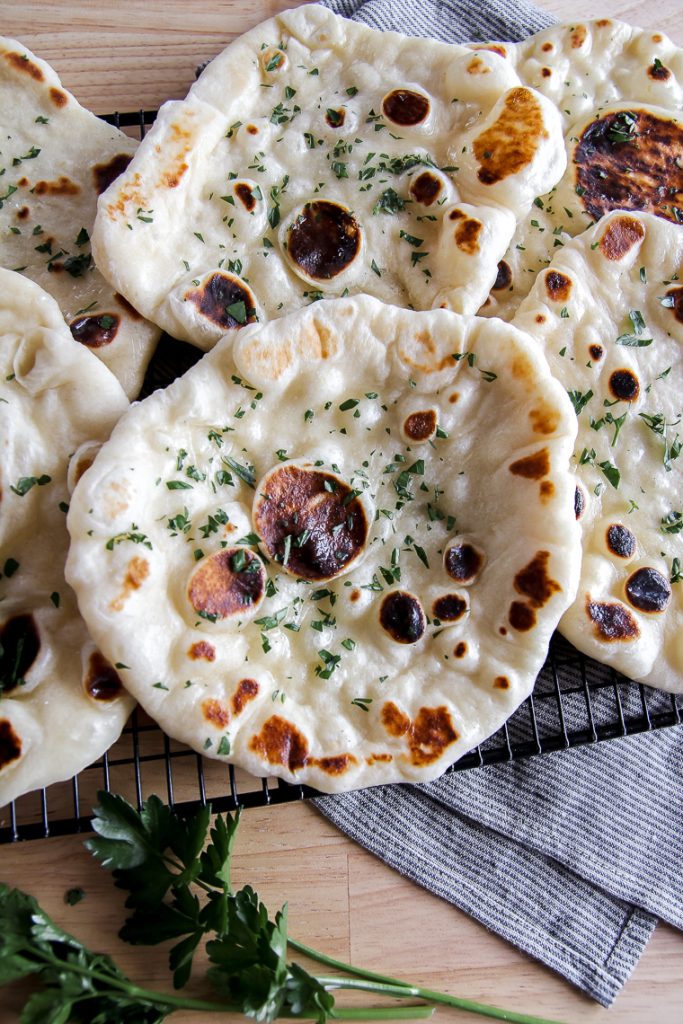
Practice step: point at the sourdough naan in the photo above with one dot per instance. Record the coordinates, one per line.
(61, 703)
(619, 90)
(337, 552)
(609, 314)
(56, 158)
(316, 157)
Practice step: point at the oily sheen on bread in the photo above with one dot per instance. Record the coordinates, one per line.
(609, 314)
(61, 702)
(316, 157)
(619, 91)
(56, 158)
(335, 553)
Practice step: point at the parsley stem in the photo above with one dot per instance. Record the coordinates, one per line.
(418, 1012)
(402, 989)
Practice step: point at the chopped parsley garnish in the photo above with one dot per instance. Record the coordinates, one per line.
(25, 483)
(133, 535)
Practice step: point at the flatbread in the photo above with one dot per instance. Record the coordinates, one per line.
(619, 90)
(56, 158)
(354, 536)
(316, 157)
(61, 703)
(609, 314)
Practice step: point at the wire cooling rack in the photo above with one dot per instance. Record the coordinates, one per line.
(575, 701)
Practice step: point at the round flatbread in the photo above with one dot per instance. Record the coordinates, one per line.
(609, 314)
(619, 90)
(61, 702)
(316, 157)
(335, 553)
(56, 159)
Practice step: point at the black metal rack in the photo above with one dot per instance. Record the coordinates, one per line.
(575, 701)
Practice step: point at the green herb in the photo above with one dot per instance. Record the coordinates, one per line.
(10, 567)
(74, 896)
(672, 522)
(178, 485)
(362, 702)
(676, 574)
(411, 239)
(579, 400)
(25, 483)
(245, 473)
(611, 472)
(82, 238)
(389, 202)
(622, 128)
(633, 340)
(132, 535)
(77, 265)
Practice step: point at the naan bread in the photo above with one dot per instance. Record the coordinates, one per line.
(337, 551)
(609, 314)
(619, 90)
(316, 157)
(56, 157)
(61, 703)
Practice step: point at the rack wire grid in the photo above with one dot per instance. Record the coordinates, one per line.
(575, 701)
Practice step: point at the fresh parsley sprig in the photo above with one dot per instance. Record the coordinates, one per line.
(165, 862)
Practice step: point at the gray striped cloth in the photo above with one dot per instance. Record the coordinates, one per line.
(571, 856)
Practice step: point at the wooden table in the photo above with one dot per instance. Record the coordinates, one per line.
(128, 55)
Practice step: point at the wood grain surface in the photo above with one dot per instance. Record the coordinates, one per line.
(131, 55)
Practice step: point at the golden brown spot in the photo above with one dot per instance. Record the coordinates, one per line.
(420, 426)
(647, 590)
(95, 330)
(544, 420)
(675, 296)
(19, 646)
(202, 650)
(534, 583)
(522, 617)
(130, 194)
(10, 744)
(512, 141)
(23, 213)
(503, 277)
(280, 742)
(502, 630)
(104, 174)
(405, 107)
(620, 541)
(428, 735)
(522, 368)
(658, 72)
(125, 305)
(226, 583)
(324, 239)
(20, 62)
(501, 683)
(402, 617)
(245, 196)
(540, 318)
(171, 179)
(426, 188)
(58, 97)
(624, 385)
(547, 47)
(467, 235)
(453, 397)
(449, 608)
(463, 562)
(247, 690)
(491, 47)
(477, 66)
(102, 681)
(460, 650)
(23, 182)
(63, 186)
(578, 36)
(252, 129)
(558, 286)
(546, 72)
(532, 467)
(613, 621)
(605, 23)
(456, 215)
(355, 594)
(335, 765)
(224, 300)
(547, 491)
(137, 573)
(335, 118)
(310, 521)
(379, 758)
(630, 160)
(595, 352)
(424, 364)
(215, 711)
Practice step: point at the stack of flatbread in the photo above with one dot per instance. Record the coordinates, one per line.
(335, 550)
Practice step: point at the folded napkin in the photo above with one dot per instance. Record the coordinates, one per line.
(571, 856)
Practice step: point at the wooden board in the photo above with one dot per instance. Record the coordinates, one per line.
(128, 56)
